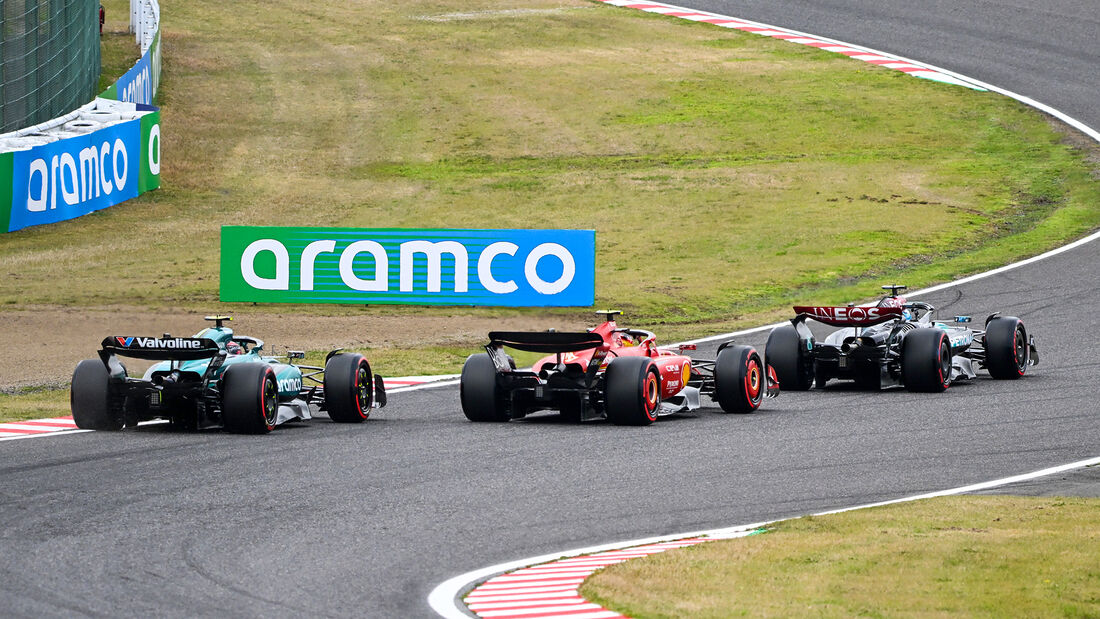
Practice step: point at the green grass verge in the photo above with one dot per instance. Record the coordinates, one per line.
(726, 174)
(974, 556)
(34, 403)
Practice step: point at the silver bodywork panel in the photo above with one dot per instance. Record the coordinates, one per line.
(293, 410)
(686, 400)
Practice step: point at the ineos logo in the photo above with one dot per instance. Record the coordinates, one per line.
(851, 315)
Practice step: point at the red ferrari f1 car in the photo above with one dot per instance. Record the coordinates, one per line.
(609, 373)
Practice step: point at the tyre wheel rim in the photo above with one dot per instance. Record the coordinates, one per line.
(945, 363)
(270, 399)
(1020, 350)
(752, 381)
(362, 389)
(650, 394)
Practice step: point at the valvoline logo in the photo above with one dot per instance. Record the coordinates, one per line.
(158, 343)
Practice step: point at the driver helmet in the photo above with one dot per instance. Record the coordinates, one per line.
(906, 313)
(233, 348)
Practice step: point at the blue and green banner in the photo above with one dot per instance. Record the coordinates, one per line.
(81, 174)
(78, 175)
(139, 84)
(5, 190)
(514, 268)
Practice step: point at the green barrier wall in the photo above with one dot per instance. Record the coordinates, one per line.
(5, 190)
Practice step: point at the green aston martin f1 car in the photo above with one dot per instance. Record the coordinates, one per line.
(216, 379)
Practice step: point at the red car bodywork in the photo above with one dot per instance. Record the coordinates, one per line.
(675, 368)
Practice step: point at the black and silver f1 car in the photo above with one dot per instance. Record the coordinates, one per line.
(216, 379)
(608, 372)
(896, 343)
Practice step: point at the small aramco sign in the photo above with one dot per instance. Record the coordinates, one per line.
(517, 268)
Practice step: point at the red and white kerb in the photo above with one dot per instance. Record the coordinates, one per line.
(36, 427)
(551, 589)
(874, 57)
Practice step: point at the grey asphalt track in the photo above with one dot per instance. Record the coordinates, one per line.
(335, 520)
(1046, 50)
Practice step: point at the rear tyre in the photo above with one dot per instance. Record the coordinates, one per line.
(90, 400)
(478, 391)
(632, 391)
(926, 360)
(250, 398)
(792, 364)
(1006, 349)
(349, 388)
(739, 381)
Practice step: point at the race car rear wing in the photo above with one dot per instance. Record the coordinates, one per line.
(156, 348)
(846, 316)
(545, 341)
(550, 342)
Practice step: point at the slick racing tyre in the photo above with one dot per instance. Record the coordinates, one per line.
(477, 390)
(739, 381)
(926, 360)
(632, 391)
(349, 390)
(1006, 349)
(792, 363)
(250, 398)
(89, 398)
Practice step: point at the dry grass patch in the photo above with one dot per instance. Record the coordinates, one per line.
(726, 174)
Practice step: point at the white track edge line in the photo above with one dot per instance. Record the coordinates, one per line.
(444, 598)
(43, 434)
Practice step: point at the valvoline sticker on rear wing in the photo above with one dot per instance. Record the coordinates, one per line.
(183, 348)
(847, 316)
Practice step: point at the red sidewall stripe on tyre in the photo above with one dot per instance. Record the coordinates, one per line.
(752, 388)
(263, 399)
(939, 358)
(650, 395)
(1016, 351)
(358, 404)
